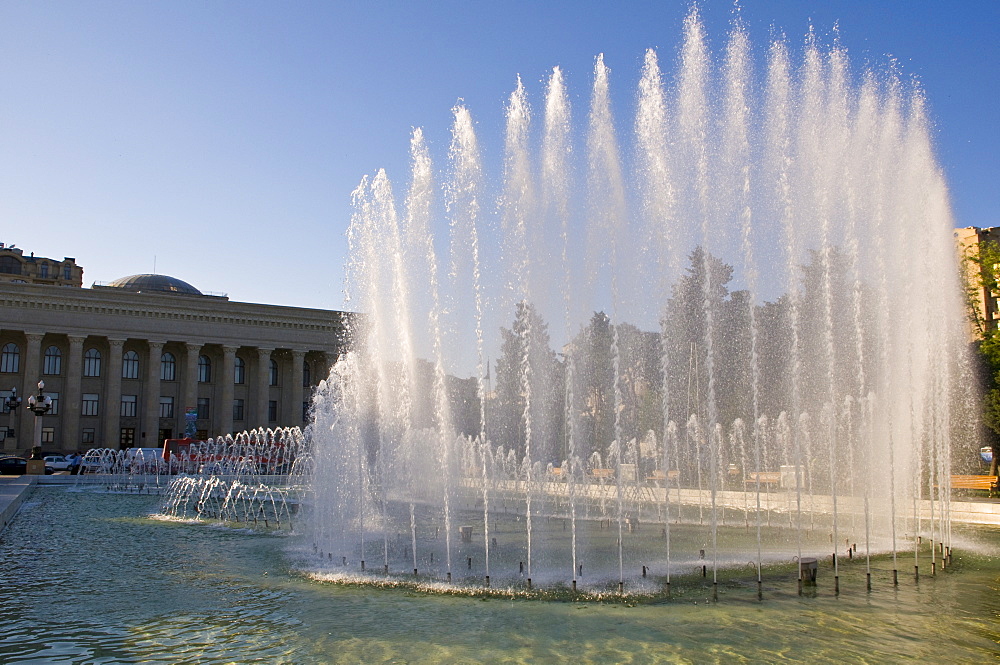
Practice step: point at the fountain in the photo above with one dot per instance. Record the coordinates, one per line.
(737, 336)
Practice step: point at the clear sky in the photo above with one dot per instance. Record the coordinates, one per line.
(220, 141)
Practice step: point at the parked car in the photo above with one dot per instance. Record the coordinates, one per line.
(13, 466)
(91, 466)
(58, 462)
(18, 466)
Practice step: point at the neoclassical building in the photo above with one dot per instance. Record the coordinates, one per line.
(133, 362)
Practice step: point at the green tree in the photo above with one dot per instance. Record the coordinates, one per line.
(526, 366)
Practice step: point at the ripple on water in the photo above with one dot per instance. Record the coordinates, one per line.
(87, 579)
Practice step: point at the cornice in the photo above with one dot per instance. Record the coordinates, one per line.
(178, 308)
(102, 311)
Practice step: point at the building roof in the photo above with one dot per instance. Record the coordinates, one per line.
(149, 282)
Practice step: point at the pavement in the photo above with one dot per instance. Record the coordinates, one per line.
(15, 489)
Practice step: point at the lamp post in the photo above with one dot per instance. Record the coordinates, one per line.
(10, 405)
(39, 405)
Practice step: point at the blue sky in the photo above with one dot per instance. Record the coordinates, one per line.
(222, 140)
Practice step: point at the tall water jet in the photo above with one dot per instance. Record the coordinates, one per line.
(813, 217)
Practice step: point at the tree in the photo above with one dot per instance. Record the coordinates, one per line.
(594, 380)
(526, 367)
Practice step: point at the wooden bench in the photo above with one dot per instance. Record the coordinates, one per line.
(660, 475)
(602, 473)
(763, 477)
(988, 483)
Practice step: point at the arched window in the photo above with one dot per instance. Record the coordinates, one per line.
(272, 379)
(130, 365)
(53, 361)
(306, 381)
(10, 358)
(168, 367)
(241, 371)
(92, 363)
(204, 369)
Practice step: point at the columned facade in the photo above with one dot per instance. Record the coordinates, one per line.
(32, 367)
(225, 409)
(115, 362)
(150, 432)
(263, 392)
(112, 407)
(190, 390)
(293, 405)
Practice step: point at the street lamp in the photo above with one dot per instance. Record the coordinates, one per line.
(39, 405)
(10, 404)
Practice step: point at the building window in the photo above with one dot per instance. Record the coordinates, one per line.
(130, 365)
(127, 437)
(168, 367)
(88, 435)
(92, 363)
(4, 406)
(52, 364)
(54, 410)
(67, 272)
(203, 408)
(306, 381)
(89, 404)
(128, 406)
(237, 409)
(48, 434)
(241, 371)
(43, 271)
(201, 435)
(305, 411)
(272, 379)
(166, 407)
(10, 358)
(272, 411)
(204, 369)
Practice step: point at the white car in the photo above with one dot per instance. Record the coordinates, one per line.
(58, 462)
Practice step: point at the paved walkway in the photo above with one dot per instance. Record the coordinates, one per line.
(15, 489)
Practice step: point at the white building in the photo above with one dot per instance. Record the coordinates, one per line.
(131, 362)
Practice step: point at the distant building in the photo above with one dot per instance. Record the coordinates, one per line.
(133, 362)
(21, 269)
(984, 302)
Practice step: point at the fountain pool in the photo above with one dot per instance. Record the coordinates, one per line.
(89, 577)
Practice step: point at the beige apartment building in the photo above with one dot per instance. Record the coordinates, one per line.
(148, 357)
(984, 303)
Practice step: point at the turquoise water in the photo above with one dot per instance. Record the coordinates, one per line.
(88, 578)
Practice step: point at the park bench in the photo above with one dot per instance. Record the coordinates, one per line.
(988, 483)
(602, 473)
(763, 477)
(659, 475)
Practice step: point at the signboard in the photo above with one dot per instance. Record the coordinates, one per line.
(190, 426)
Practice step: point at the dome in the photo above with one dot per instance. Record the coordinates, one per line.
(147, 283)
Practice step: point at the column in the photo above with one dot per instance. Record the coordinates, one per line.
(32, 373)
(151, 408)
(189, 390)
(259, 417)
(71, 397)
(224, 411)
(293, 402)
(111, 403)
